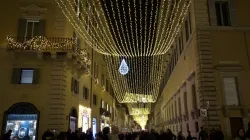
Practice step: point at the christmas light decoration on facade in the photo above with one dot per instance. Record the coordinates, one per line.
(43, 44)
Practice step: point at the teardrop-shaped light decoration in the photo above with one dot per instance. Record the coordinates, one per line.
(123, 69)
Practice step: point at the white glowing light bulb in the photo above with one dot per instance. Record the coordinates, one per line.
(123, 69)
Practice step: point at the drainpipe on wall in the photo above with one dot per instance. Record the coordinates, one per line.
(91, 84)
(247, 51)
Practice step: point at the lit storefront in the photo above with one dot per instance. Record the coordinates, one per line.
(105, 118)
(84, 119)
(22, 119)
(73, 120)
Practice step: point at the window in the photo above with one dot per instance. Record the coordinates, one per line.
(31, 28)
(110, 109)
(197, 127)
(77, 40)
(25, 76)
(102, 81)
(231, 91)
(102, 104)
(188, 27)
(180, 44)
(194, 97)
(85, 93)
(94, 99)
(107, 107)
(187, 127)
(179, 104)
(185, 102)
(74, 86)
(107, 85)
(95, 70)
(222, 13)
(175, 107)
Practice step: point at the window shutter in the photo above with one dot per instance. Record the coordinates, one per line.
(72, 84)
(42, 27)
(21, 27)
(36, 76)
(78, 43)
(231, 93)
(16, 75)
(77, 87)
(232, 11)
(212, 12)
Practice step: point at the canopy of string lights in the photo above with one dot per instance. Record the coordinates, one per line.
(134, 36)
(126, 27)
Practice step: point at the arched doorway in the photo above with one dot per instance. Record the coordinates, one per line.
(22, 118)
(73, 119)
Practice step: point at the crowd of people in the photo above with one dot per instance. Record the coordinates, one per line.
(115, 134)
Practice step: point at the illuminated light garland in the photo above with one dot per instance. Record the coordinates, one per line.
(42, 44)
(168, 40)
(102, 34)
(177, 28)
(134, 86)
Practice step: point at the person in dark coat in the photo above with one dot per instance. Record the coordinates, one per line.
(7, 135)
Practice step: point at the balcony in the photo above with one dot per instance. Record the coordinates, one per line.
(53, 47)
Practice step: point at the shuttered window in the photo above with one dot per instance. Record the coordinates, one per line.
(222, 13)
(94, 99)
(102, 80)
(31, 28)
(25, 76)
(179, 104)
(85, 93)
(194, 97)
(231, 91)
(74, 86)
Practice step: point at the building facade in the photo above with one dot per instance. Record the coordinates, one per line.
(50, 78)
(206, 79)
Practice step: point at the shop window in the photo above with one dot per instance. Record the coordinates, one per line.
(74, 86)
(22, 119)
(231, 91)
(85, 93)
(25, 76)
(94, 99)
(222, 13)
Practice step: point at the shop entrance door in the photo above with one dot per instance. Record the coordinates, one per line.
(235, 123)
(94, 126)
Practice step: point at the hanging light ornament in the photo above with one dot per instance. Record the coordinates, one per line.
(123, 69)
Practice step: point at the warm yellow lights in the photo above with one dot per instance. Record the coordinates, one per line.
(142, 82)
(139, 32)
(103, 35)
(84, 112)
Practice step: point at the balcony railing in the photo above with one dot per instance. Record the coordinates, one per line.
(43, 44)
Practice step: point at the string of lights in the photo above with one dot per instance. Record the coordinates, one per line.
(141, 82)
(146, 35)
